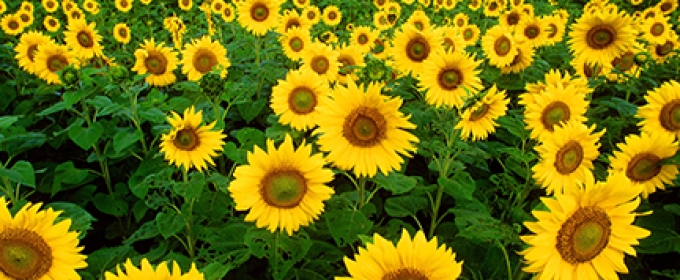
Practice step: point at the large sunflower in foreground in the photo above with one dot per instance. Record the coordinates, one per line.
(585, 233)
(83, 39)
(364, 130)
(157, 60)
(51, 58)
(567, 157)
(202, 56)
(449, 78)
(662, 112)
(415, 258)
(27, 47)
(258, 16)
(557, 104)
(188, 144)
(283, 188)
(412, 47)
(479, 120)
(601, 36)
(639, 158)
(297, 98)
(147, 272)
(33, 246)
(499, 45)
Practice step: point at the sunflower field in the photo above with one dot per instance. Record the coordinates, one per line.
(329, 139)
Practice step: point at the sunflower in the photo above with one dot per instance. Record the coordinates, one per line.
(185, 5)
(380, 4)
(322, 59)
(123, 5)
(27, 47)
(11, 25)
(296, 99)
(283, 188)
(332, 15)
(470, 34)
(479, 120)
(566, 158)
(475, 4)
(51, 23)
(145, 2)
(460, 20)
(493, 8)
(587, 69)
(83, 38)
(51, 58)
(512, 17)
(312, 14)
(50, 6)
(301, 4)
(351, 59)
(656, 30)
(121, 32)
(158, 61)
(91, 6)
(363, 37)
(216, 6)
(661, 52)
(202, 56)
(522, 60)
(362, 129)
(27, 6)
(228, 12)
(68, 5)
(625, 66)
(414, 258)
(499, 45)
(420, 21)
(75, 14)
(258, 16)
(640, 159)
(33, 246)
(412, 47)
(25, 17)
(449, 77)
(381, 20)
(3, 7)
(555, 106)
(555, 28)
(601, 36)
(532, 30)
(555, 78)
(661, 114)
(189, 144)
(667, 6)
(452, 41)
(292, 19)
(585, 233)
(146, 271)
(294, 42)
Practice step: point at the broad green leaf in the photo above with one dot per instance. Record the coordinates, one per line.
(404, 206)
(250, 110)
(169, 223)
(67, 173)
(147, 231)
(125, 138)
(85, 138)
(111, 205)
(81, 220)
(6, 121)
(346, 225)
(290, 250)
(258, 241)
(235, 154)
(395, 182)
(664, 236)
(460, 186)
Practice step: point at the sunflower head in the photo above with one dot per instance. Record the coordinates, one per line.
(162, 271)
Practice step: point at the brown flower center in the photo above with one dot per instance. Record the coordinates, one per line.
(302, 100)
(417, 49)
(584, 235)
(124, 3)
(405, 274)
(13, 25)
(320, 64)
(293, 22)
(25, 18)
(364, 127)
(532, 31)
(468, 34)
(670, 115)
(123, 32)
(347, 64)
(50, 4)
(664, 49)
(657, 29)
(204, 60)
(554, 114)
(283, 188)
(259, 12)
(30, 52)
(569, 158)
(502, 46)
(665, 7)
(513, 18)
(85, 39)
(296, 44)
(362, 39)
(643, 167)
(332, 15)
(552, 30)
(186, 139)
(24, 254)
(480, 112)
(449, 79)
(625, 61)
(600, 36)
(156, 63)
(52, 22)
(185, 3)
(56, 62)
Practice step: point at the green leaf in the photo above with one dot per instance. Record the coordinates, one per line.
(191, 189)
(25, 169)
(125, 138)
(250, 110)
(514, 125)
(104, 105)
(169, 223)
(404, 206)
(235, 154)
(461, 186)
(147, 231)
(290, 250)
(346, 225)
(6, 121)
(664, 236)
(67, 173)
(624, 107)
(673, 208)
(81, 220)
(258, 241)
(86, 137)
(395, 182)
(111, 205)
(249, 136)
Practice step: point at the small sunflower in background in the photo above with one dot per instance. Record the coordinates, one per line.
(203, 56)
(499, 46)
(363, 37)
(11, 25)
(452, 41)
(412, 48)
(601, 36)
(625, 66)
(661, 52)
(190, 144)
(419, 20)
(228, 12)
(35, 246)
(312, 14)
(494, 8)
(27, 47)
(91, 6)
(566, 158)
(656, 30)
(460, 20)
(216, 6)
(185, 5)
(556, 105)
(640, 159)
(157, 60)
(411, 258)
(661, 114)
(49, 59)
(292, 19)
(533, 31)
(470, 34)
(332, 15)
(75, 14)
(584, 233)
(26, 18)
(68, 5)
(301, 4)
(587, 69)
(322, 59)
(449, 77)
(363, 130)
(522, 60)
(512, 17)
(555, 29)
(296, 99)
(146, 271)
(122, 33)
(50, 6)
(479, 120)
(667, 6)
(123, 6)
(294, 42)
(351, 59)
(83, 39)
(258, 16)
(282, 188)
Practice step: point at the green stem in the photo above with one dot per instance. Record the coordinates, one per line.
(361, 188)
(507, 259)
(191, 241)
(435, 211)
